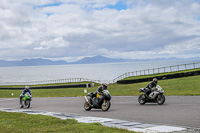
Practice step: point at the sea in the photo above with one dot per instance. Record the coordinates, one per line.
(104, 72)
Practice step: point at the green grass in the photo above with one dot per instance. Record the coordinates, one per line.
(26, 123)
(179, 86)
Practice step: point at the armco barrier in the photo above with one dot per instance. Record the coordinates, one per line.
(53, 87)
(158, 70)
(170, 76)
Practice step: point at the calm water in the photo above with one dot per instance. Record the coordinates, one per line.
(104, 72)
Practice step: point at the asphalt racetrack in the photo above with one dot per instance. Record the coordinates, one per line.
(183, 111)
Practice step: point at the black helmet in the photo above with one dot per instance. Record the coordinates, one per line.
(105, 85)
(155, 80)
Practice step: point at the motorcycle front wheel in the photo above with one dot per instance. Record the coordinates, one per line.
(105, 105)
(160, 99)
(141, 99)
(87, 107)
(27, 103)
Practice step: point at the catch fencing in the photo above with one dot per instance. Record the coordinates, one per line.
(158, 70)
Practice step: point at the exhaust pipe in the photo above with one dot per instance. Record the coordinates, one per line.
(87, 100)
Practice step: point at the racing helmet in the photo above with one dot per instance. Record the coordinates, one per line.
(155, 80)
(105, 86)
(27, 87)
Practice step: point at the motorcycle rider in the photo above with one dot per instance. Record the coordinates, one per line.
(26, 89)
(150, 86)
(99, 91)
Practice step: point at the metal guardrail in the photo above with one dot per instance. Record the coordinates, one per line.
(158, 70)
(50, 81)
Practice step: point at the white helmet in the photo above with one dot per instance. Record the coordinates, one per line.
(27, 87)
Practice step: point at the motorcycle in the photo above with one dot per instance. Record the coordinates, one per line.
(26, 101)
(156, 96)
(92, 101)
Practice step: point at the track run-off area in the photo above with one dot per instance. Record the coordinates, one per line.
(178, 111)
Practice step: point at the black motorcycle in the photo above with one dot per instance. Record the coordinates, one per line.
(92, 101)
(156, 96)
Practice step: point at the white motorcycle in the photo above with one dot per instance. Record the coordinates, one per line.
(156, 96)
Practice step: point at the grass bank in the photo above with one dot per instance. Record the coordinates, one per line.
(160, 74)
(180, 86)
(26, 123)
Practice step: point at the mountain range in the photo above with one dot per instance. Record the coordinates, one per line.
(86, 60)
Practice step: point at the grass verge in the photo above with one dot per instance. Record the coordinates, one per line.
(160, 74)
(179, 86)
(26, 123)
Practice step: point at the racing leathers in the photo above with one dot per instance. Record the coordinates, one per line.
(99, 92)
(150, 86)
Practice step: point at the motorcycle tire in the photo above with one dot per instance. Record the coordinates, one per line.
(27, 103)
(141, 99)
(87, 107)
(106, 105)
(160, 99)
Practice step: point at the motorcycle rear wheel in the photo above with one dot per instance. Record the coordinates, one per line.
(160, 99)
(141, 99)
(87, 107)
(106, 105)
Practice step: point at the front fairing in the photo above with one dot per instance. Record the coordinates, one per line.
(26, 97)
(107, 94)
(159, 89)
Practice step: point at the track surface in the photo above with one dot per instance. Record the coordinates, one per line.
(181, 111)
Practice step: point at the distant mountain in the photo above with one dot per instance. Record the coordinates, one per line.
(86, 60)
(98, 59)
(39, 61)
(31, 62)
(102, 59)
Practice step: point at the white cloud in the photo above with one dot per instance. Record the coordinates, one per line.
(54, 43)
(74, 29)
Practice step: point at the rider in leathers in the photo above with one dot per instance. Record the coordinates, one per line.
(100, 92)
(24, 92)
(150, 86)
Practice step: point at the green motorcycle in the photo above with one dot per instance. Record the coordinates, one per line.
(26, 101)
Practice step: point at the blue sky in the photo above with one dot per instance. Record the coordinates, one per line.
(118, 6)
(47, 5)
(71, 30)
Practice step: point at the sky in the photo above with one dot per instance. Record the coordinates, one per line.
(73, 29)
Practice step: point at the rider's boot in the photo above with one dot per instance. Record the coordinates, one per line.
(21, 103)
